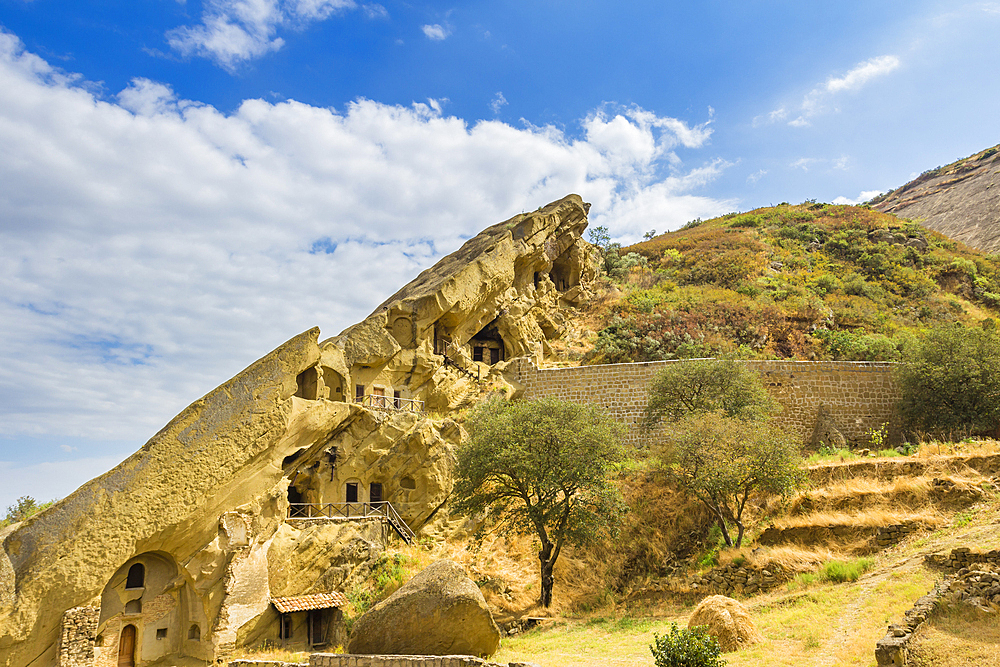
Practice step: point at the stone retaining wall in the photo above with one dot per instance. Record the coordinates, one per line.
(855, 395)
(893, 649)
(348, 660)
(76, 642)
(745, 580)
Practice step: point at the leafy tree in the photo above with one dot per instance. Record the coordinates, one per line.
(952, 383)
(707, 385)
(685, 647)
(541, 467)
(724, 461)
(25, 507)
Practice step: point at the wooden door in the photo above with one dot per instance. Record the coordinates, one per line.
(126, 647)
(375, 492)
(378, 397)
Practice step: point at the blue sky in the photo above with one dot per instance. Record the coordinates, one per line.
(184, 185)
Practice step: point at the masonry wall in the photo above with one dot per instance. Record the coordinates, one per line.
(854, 395)
(76, 642)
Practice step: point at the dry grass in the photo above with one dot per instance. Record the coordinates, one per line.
(275, 653)
(936, 448)
(959, 636)
(790, 558)
(864, 492)
(728, 621)
(871, 518)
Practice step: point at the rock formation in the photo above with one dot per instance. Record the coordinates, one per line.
(960, 200)
(438, 612)
(180, 550)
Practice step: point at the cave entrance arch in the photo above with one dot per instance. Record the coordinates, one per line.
(488, 346)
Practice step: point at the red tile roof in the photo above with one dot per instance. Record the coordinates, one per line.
(307, 602)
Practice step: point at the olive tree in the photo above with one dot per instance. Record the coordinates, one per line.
(950, 383)
(541, 467)
(723, 462)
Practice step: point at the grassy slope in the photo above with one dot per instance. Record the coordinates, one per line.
(824, 624)
(811, 281)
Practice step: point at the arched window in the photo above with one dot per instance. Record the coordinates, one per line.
(133, 607)
(194, 634)
(136, 576)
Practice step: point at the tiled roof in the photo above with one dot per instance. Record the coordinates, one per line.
(307, 602)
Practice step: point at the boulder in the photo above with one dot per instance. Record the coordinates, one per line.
(438, 612)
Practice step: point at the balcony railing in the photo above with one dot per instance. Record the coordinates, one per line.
(392, 404)
(353, 511)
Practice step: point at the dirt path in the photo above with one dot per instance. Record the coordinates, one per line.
(830, 654)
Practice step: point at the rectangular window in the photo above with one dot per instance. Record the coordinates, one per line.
(477, 353)
(359, 393)
(352, 492)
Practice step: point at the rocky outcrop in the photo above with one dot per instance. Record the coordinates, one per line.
(207, 511)
(438, 612)
(959, 200)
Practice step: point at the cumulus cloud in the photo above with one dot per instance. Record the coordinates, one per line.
(154, 246)
(232, 32)
(435, 32)
(756, 176)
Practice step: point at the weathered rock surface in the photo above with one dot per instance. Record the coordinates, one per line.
(204, 506)
(438, 612)
(960, 200)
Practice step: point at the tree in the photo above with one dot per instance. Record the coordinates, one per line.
(724, 461)
(25, 507)
(951, 385)
(541, 467)
(706, 385)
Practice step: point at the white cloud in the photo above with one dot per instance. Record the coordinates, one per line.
(862, 73)
(499, 102)
(436, 32)
(804, 163)
(756, 176)
(815, 101)
(154, 246)
(863, 197)
(232, 32)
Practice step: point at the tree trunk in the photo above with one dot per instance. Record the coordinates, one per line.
(725, 532)
(739, 534)
(547, 562)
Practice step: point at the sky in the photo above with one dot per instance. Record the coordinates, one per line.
(185, 184)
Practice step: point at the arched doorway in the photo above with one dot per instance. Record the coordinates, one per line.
(126, 647)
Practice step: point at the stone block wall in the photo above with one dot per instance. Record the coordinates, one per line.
(76, 642)
(348, 660)
(855, 395)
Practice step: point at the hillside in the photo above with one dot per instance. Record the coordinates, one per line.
(810, 281)
(958, 200)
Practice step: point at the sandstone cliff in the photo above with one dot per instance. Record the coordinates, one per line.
(960, 200)
(181, 549)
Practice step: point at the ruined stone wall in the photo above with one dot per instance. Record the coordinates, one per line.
(855, 395)
(347, 660)
(76, 643)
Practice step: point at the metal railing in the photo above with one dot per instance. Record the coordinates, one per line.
(353, 511)
(392, 403)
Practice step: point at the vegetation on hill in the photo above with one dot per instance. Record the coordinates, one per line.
(810, 281)
(25, 507)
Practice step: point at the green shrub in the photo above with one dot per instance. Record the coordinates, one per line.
(840, 571)
(686, 648)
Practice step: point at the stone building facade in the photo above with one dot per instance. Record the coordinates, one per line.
(852, 395)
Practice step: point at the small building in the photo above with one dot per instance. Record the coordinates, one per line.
(311, 622)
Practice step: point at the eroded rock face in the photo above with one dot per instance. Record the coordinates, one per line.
(438, 612)
(204, 506)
